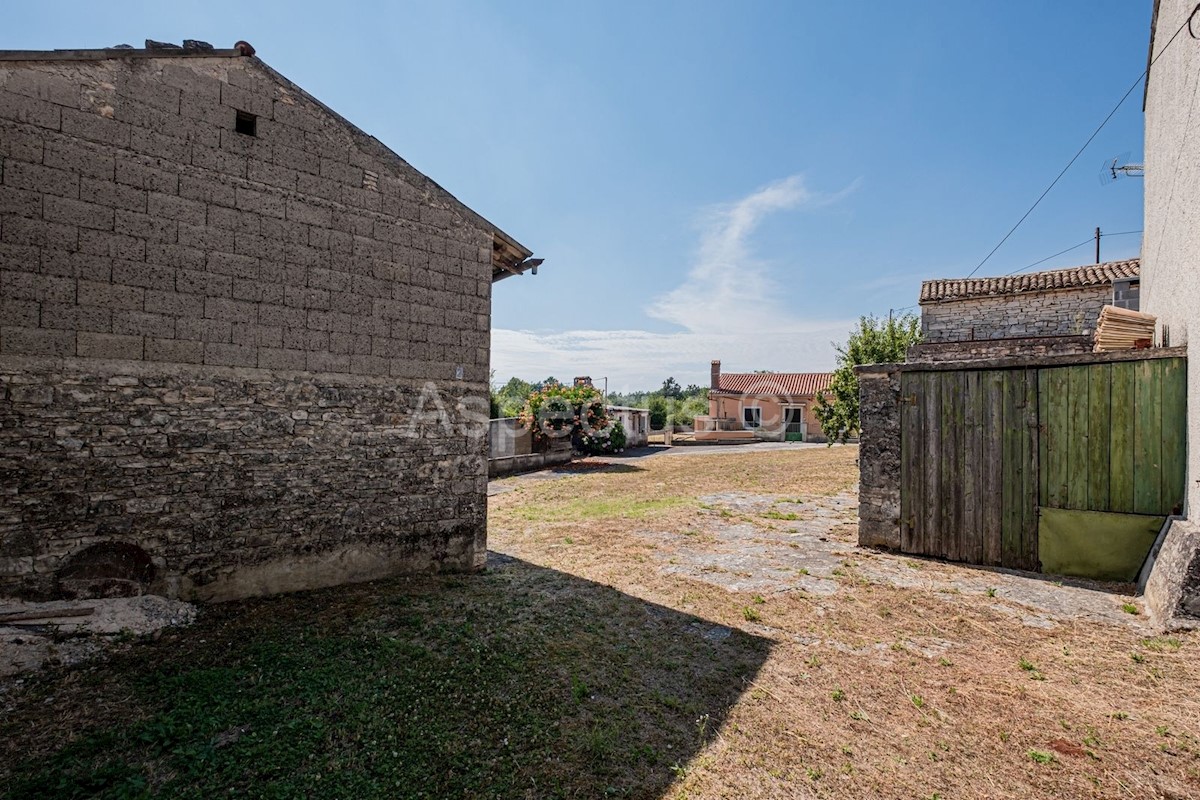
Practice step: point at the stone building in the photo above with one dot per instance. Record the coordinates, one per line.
(243, 345)
(1034, 313)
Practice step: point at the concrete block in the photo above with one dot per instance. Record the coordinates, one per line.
(227, 263)
(135, 170)
(30, 111)
(39, 288)
(104, 295)
(19, 143)
(114, 195)
(174, 351)
(221, 161)
(36, 342)
(307, 167)
(169, 206)
(264, 203)
(146, 226)
(41, 179)
(159, 145)
(278, 358)
(108, 345)
(67, 211)
(71, 317)
(327, 362)
(272, 175)
(282, 316)
(172, 303)
(204, 330)
(243, 100)
(305, 297)
(207, 189)
(20, 202)
(80, 158)
(229, 309)
(20, 313)
(230, 355)
(95, 128)
(141, 323)
(174, 255)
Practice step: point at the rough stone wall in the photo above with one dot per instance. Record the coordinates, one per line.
(209, 340)
(1063, 312)
(879, 459)
(933, 352)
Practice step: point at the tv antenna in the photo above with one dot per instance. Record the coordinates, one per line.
(1120, 167)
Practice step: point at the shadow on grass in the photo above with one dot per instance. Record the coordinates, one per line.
(518, 682)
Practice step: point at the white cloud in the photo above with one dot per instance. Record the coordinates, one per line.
(727, 309)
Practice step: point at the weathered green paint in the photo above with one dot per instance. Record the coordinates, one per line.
(1120, 447)
(985, 452)
(1098, 422)
(1077, 438)
(1174, 435)
(1147, 438)
(1095, 544)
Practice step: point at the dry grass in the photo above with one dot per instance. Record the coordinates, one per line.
(880, 691)
(588, 668)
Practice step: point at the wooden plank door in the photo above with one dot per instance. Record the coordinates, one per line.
(969, 453)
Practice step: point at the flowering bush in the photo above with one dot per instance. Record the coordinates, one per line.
(608, 439)
(562, 412)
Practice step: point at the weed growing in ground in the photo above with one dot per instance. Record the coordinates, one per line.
(1129, 608)
(1041, 756)
(838, 695)
(751, 614)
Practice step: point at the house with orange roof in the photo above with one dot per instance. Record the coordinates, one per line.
(762, 406)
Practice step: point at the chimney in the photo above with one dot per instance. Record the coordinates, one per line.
(715, 375)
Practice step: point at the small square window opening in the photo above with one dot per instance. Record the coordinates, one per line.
(246, 123)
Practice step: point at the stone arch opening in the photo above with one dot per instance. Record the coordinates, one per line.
(106, 569)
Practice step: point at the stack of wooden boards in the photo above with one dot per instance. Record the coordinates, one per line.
(1123, 329)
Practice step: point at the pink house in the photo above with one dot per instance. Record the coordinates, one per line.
(771, 406)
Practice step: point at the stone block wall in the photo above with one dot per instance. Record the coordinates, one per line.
(1062, 312)
(935, 352)
(879, 458)
(209, 339)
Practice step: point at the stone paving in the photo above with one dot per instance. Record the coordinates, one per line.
(811, 543)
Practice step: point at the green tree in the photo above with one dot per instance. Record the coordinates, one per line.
(658, 412)
(671, 388)
(510, 398)
(875, 341)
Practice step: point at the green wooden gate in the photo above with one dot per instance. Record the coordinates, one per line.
(982, 451)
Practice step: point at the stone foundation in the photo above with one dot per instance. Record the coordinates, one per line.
(879, 459)
(235, 481)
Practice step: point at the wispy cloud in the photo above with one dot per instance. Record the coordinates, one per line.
(727, 309)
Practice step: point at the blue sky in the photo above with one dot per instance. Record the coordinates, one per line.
(711, 179)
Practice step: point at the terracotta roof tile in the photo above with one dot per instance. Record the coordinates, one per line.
(781, 383)
(1074, 278)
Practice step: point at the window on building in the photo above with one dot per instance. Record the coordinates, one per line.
(246, 123)
(752, 417)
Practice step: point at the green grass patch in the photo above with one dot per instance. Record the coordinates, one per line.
(393, 689)
(589, 508)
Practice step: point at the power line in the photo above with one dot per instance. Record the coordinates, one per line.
(1088, 240)
(1121, 233)
(1095, 133)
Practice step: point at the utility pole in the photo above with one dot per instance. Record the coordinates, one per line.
(1097, 245)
